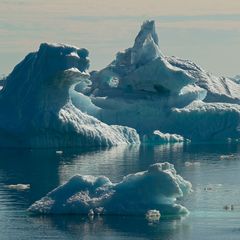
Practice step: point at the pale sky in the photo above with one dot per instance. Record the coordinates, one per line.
(206, 31)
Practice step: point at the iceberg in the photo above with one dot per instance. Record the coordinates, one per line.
(18, 187)
(36, 108)
(158, 138)
(146, 90)
(157, 188)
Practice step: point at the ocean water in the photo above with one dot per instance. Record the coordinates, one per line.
(215, 177)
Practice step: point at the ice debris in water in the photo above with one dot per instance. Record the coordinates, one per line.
(157, 188)
(158, 138)
(212, 187)
(59, 152)
(18, 187)
(192, 164)
(153, 215)
(226, 157)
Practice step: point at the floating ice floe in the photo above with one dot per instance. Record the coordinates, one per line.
(157, 188)
(227, 157)
(59, 152)
(192, 164)
(212, 187)
(18, 187)
(158, 138)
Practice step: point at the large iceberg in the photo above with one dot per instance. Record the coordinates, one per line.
(146, 90)
(37, 111)
(157, 188)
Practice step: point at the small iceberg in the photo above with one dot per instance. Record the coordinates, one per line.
(59, 152)
(18, 187)
(159, 138)
(212, 187)
(157, 188)
(192, 164)
(227, 157)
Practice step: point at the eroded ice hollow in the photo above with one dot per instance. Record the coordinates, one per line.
(148, 91)
(36, 109)
(158, 189)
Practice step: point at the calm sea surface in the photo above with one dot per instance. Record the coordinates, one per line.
(215, 179)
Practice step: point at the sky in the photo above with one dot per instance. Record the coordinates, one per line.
(206, 32)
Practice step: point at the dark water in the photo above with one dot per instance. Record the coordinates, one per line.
(215, 181)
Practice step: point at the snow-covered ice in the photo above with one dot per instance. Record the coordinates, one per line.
(157, 188)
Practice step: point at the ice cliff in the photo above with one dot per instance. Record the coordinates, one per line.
(157, 188)
(36, 110)
(144, 89)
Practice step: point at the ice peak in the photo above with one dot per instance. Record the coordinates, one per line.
(145, 47)
(147, 31)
